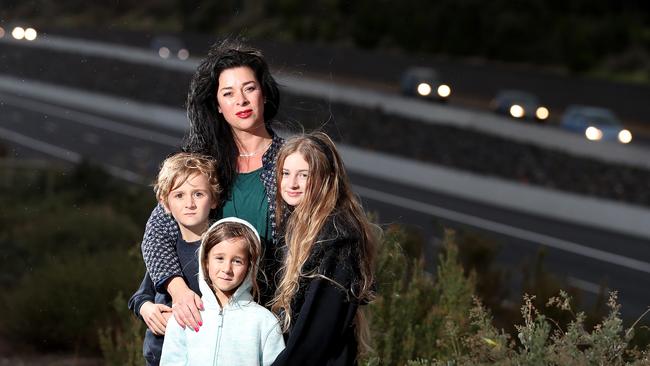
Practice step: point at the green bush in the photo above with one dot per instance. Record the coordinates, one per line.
(121, 341)
(413, 316)
(50, 231)
(69, 247)
(62, 304)
(417, 320)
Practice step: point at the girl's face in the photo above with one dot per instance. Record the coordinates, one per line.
(228, 264)
(240, 99)
(295, 176)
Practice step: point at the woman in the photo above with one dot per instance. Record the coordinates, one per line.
(328, 271)
(230, 105)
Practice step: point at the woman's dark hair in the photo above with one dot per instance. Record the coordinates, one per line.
(209, 133)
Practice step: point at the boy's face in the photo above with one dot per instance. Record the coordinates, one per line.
(190, 204)
(228, 266)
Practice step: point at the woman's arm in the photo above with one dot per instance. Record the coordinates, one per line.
(161, 260)
(159, 248)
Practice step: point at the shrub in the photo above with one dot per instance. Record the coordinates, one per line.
(419, 321)
(60, 305)
(121, 340)
(69, 247)
(413, 316)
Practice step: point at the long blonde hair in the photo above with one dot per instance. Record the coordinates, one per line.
(328, 191)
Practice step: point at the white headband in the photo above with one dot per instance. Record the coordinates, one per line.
(239, 221)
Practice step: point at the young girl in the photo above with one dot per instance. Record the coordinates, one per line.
(236, 330)
(330, 254)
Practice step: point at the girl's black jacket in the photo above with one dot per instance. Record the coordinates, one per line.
(323, 310)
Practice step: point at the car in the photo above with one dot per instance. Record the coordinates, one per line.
(170, 47)
(519, 104)
(595, 123)
(19, 31)
(424, 82)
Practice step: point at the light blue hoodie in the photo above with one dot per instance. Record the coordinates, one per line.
(241, 333)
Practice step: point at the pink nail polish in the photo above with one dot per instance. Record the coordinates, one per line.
(200, 324)
(196, 329)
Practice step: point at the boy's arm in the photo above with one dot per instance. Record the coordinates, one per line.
(146, 292)
(159, 248)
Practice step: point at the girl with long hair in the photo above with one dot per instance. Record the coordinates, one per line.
(231, 103)
(330, 254)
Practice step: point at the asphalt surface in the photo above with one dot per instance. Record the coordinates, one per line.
(133, 151)
(443, 135)
(474, 82)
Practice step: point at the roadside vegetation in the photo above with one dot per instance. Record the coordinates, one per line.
(70, 245)
(71, 259)
(603, 38)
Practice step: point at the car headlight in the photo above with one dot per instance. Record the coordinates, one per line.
(18, 33)
(30, 34)
(516, 111)
(2, 32)
(164, 52)
(444, 90)
(183, 54)
(593, 134)
(624, 136)
(542, 113)
(424, 89)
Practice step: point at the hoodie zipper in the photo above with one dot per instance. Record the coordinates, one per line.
(219, 330)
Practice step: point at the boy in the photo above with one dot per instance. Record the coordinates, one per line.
(187, 188)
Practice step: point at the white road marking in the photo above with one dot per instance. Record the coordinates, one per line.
(93, 121)
(484, 121)
(366, 192)
(500, 228)
(108, 50)
(66, 155)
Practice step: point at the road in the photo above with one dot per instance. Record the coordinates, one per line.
(132, 150)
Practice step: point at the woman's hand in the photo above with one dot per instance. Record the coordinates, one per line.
(155, 316)
(186, 304)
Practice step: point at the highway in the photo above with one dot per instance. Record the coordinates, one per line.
(132, 150)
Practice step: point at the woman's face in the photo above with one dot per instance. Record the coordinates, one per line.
(295, 176)
(240, 99)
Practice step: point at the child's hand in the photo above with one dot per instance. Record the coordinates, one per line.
(155, 316)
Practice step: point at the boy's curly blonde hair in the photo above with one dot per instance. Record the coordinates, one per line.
(178, 168)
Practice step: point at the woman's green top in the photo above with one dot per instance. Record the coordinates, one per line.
(248, 201)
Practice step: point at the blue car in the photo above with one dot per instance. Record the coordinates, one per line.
(595, 123)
